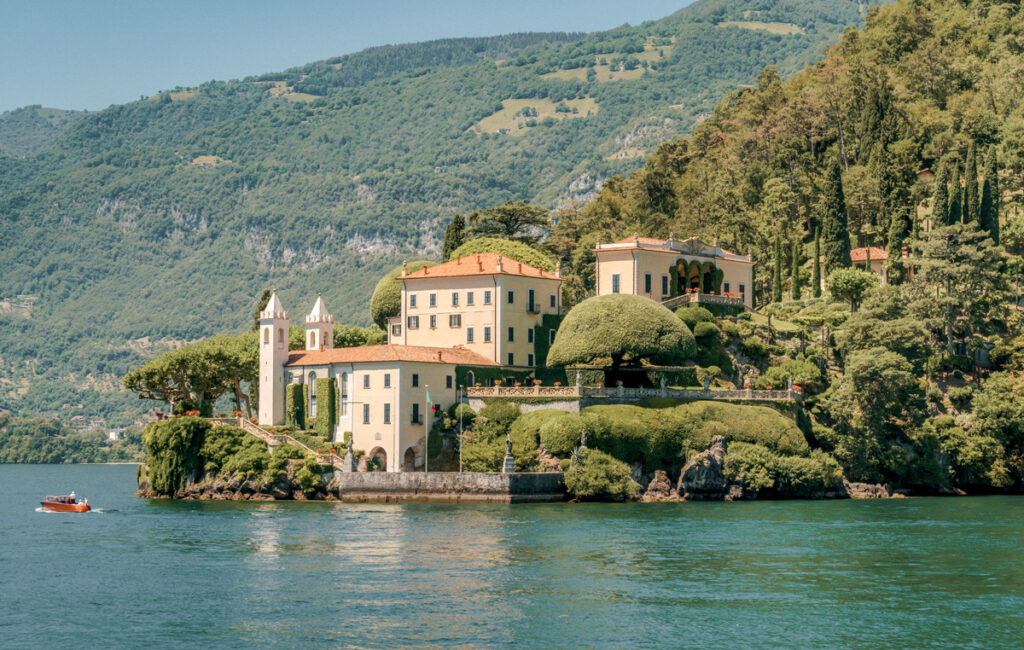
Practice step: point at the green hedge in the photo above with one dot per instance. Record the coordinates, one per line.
(326, 407)
(295, 405)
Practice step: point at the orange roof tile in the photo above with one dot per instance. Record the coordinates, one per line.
(480, 264)
(861, 254)
(384, 353)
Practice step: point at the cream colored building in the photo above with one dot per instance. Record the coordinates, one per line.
(484, 303)
(381, 391)
(662, 269)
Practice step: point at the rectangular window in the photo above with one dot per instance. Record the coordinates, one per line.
(743, 289)
(433, 321)
(415, 379)
(552, 300)
(725, 287)
(529, 359)
(647, 282)
(531, 302)
(455, 299)
(387, 380)
(454, 320)
(413, 322)
(412, 300)
(487, 335)
(511, 297)
(366, 381)
(448, 381)
(529, 335)
(469, 335)
(615, 282)
(415, 413)
(664, 285)
(396, 329)
(511, 359)
(551, 337)
(366, 413)
(344, 393)
(487, 297)
(511, 334)
(469, 297)
(433, 300)
(387, 414)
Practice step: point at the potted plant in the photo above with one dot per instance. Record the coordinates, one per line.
(518, 384)
(558, 383)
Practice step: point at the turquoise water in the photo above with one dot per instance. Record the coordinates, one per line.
(868, 574)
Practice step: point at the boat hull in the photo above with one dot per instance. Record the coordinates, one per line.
(65, 507)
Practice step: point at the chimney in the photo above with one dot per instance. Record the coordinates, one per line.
(520, 267)
(438, 355)
(558, 269)
(458, 261)
(499, 264)
(405, 268)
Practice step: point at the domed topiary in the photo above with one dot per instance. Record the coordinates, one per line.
(387, 296)
(693, 314)
(623, 327)
(514, 250)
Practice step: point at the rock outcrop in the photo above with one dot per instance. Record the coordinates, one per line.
(237, 487)
(660, 488)
(702, 478)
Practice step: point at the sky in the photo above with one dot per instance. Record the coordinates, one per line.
(88, 54)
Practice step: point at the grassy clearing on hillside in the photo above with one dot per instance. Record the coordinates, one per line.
(651, 54)
(777, 323)
(782, 29)
(511, 118)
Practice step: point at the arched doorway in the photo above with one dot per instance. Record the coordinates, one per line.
(379, 459)
(409, 460)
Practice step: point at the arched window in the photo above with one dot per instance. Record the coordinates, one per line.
(280, 335)
(312, 340)
(312, 394)
(266, 335)
(470, 379)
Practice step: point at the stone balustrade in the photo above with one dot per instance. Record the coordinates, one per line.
(706, 298)
(621, 392)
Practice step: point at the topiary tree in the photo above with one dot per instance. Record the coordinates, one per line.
(513, 250)
(623, 328)
(387, 296)
(693, 314)
(850, 285)
(705, 330)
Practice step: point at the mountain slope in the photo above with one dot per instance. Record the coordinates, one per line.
(163, 218)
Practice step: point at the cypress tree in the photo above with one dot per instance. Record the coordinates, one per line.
(992, 178)
(835, 231)
(985, 215)
(454, 236)
(955, 213)
(777, 278)
(940, 200)
(971, 185)
(816, 279)
(794, 288)
(899, 230)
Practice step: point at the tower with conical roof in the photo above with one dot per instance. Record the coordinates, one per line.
(319, 327)
(273, 355)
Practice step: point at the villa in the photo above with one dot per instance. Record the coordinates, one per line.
(666, 269)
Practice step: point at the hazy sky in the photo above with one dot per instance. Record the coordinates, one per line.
(93, 53)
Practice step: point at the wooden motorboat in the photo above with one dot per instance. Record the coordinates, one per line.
(65, 504)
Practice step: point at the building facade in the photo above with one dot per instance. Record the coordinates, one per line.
(661, 269)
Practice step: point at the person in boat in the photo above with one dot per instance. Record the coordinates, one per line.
(72, 496)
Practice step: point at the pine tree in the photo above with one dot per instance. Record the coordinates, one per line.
(794, 287)
(777, 278)
(940, 200)
(971, 185)
(454, 236)
(955, 213)
(816, 278)
(835, 231)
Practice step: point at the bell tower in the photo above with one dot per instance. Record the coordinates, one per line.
(319, 327)
(273, 355)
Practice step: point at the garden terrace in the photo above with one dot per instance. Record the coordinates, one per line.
(274, 439)
(697, 298)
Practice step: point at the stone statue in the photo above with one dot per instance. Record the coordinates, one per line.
(509, 466)
(583, 438)
(350, 449)
(508, 444)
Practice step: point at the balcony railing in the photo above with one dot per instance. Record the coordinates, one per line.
(621, 392)
(706, 298)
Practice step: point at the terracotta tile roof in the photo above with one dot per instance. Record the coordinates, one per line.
(861, 254)
(381, 353)
(677, 247)
(481, 264)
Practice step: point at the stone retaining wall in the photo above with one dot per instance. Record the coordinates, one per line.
(570, 405)
(448, 487)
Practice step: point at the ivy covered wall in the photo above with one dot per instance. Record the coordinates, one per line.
(326, 407)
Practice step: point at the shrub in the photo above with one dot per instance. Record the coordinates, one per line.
(525, 433)
(282, 452)
(961, 397)
(705, 330)
(560, 435)
(599, 475)
(803, 372)
(309, 476)
(693, 314)
(467, 414)
(933, 394)
(780, 474)
(230, 449)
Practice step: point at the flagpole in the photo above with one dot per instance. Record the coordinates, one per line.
(426, 436)
(461, 434)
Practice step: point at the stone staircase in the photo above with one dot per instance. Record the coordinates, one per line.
(274, 439)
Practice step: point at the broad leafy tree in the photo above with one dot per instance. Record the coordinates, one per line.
(850, 285)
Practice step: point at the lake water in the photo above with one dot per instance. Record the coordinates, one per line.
(896, 573)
